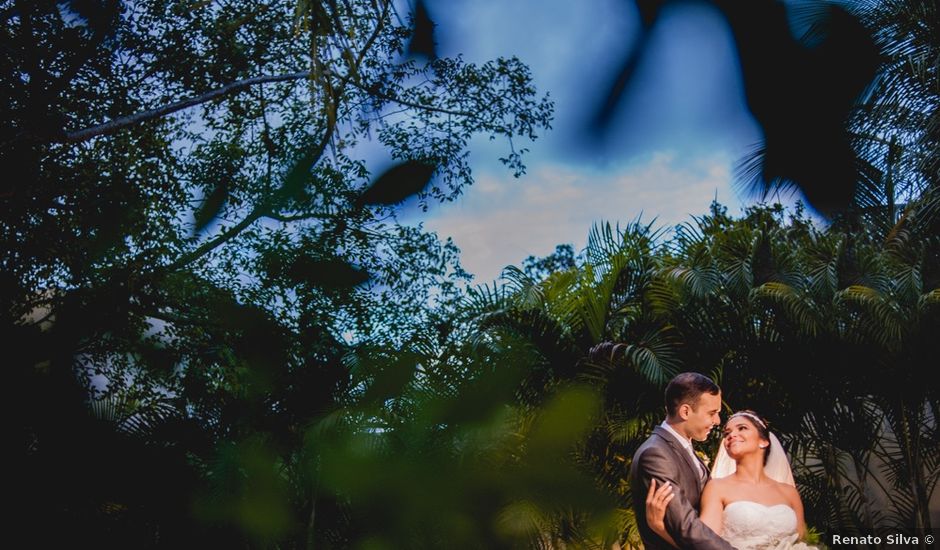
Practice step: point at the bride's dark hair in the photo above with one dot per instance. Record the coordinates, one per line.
(761, 425)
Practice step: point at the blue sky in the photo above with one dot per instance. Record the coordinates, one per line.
(671, 149)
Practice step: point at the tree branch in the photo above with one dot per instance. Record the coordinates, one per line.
(226, 236)
(264, 209)
(286, 218)
(130, 120)
(267, 207)
(413, 105)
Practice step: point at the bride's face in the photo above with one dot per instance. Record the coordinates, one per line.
(741, 437)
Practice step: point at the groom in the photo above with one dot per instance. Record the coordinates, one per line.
(692, 405)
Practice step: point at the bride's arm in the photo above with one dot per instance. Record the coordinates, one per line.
(712, 507)
(797, 504)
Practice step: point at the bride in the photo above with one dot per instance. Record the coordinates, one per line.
(751, 500)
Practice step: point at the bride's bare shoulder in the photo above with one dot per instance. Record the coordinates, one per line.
(719, 485)
(789, 491)
(785, 486)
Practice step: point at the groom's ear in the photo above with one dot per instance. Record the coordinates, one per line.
(684, 411)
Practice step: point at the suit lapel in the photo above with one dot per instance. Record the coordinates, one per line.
(694, 471)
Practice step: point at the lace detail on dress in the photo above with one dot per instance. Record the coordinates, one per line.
(754, 526)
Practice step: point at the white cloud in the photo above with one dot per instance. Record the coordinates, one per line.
(500, 220)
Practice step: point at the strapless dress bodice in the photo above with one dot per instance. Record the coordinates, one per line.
(753, 526)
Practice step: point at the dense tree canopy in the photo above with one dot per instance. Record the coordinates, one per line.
(191, 233)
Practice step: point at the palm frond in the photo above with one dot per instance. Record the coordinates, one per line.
(798, 306)
(483, 298)
(880, 317)
(139, 418)
(750, 179)
(698, 282)
(655, 357)
(929, 300)
(663, 298)
(526, 290)
(737, 254)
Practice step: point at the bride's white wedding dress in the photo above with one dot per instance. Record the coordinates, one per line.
(750, 525)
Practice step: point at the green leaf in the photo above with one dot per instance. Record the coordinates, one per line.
(398, 183)
(211, 206)
(329, 273)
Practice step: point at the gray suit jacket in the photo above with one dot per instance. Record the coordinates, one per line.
(663, 458)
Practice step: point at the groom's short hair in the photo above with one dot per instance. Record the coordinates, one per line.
(687, 387)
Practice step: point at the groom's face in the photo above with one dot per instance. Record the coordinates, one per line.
(703, 417)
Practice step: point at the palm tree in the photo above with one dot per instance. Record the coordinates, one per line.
(897, 128)
(799, 323)
(568, 322)
(893, 128)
